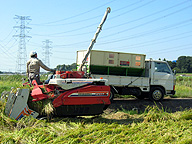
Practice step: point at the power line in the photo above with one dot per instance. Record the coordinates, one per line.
(152, 14)
(170, 49)
(148, 22)
(139, 45)
(77, 29)
(132, 9)
(64, 52)
(7, 35)
(70, 23)
(7, 52)
(153, 31)
(90, 18)
(80, 14)
(63, 58)
(129, 5)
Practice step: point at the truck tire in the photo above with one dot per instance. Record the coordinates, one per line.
(156, 94)
(112, 93)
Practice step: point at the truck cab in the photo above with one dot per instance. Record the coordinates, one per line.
(162, 79)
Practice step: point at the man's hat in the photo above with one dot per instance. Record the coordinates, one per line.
(32, 53)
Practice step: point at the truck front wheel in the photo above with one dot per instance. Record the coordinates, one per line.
(156, 94)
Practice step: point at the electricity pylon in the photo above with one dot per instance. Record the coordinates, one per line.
(47, 51)
(22, 55)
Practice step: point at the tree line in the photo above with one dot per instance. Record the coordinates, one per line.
(182, 65)
(65, 67)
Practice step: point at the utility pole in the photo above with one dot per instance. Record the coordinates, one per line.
(22, 55)
(46, 51)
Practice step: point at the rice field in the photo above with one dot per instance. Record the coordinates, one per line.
(183, 87)
(154, 125)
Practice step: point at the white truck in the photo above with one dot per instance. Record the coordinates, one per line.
(130, 74)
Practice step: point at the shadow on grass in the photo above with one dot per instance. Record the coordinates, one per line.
(97, 119)
(169, 104)
(108, 116)
(127, 111)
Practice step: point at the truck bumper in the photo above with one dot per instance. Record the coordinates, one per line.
(173, 92)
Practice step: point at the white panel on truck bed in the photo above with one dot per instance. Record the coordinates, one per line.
(125, 80)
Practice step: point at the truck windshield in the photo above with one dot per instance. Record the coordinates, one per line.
(162, 67)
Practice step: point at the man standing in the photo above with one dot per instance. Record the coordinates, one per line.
(33, 67)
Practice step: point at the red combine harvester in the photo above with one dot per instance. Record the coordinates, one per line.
(72, 93)
(74, 96)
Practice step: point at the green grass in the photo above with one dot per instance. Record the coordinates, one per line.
(183, 87)
(9, 81)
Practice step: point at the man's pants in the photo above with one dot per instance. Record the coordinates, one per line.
(33, 76)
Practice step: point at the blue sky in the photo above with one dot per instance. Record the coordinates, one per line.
(157, 28)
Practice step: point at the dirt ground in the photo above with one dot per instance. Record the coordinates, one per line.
(168, 104)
